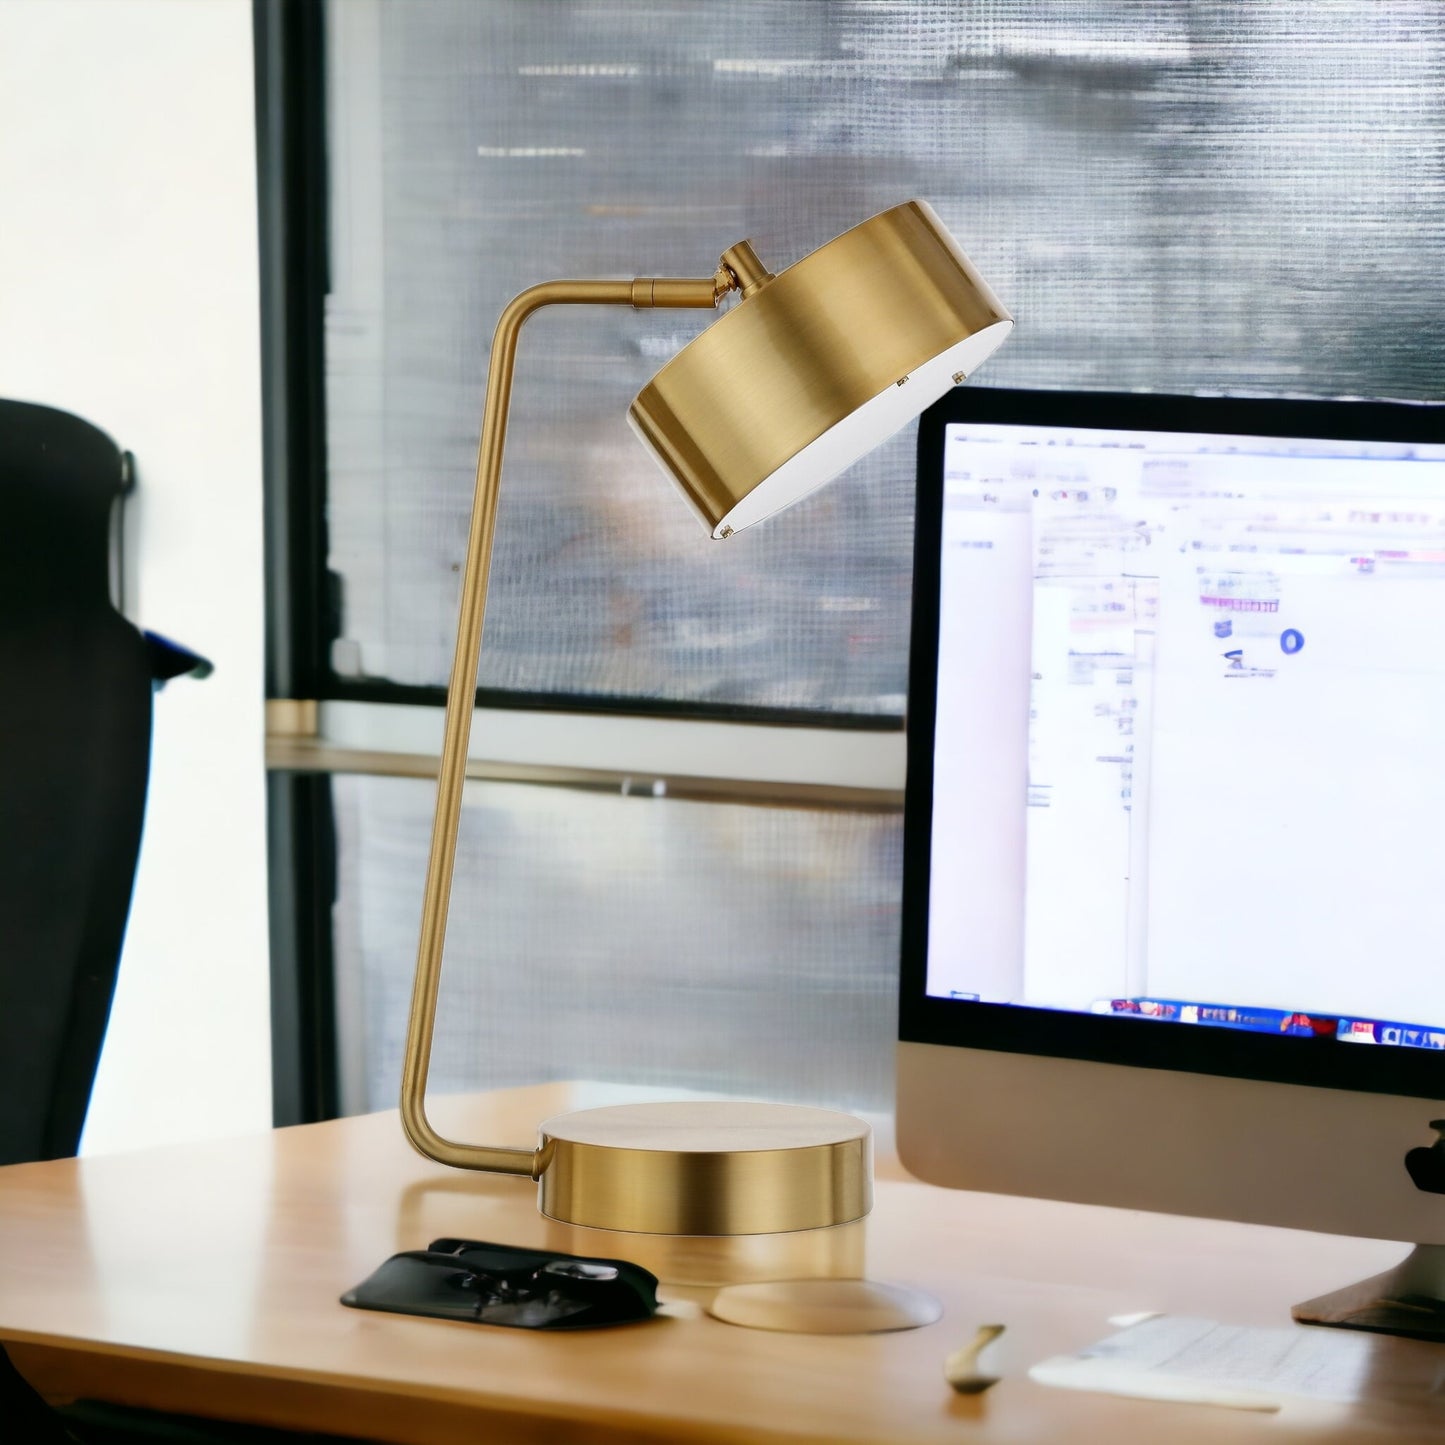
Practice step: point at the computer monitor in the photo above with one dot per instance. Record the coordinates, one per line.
(1174, 870)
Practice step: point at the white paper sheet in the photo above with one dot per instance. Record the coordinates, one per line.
(1177, 1357)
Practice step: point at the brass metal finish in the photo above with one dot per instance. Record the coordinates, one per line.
(809, 349)
(710, 1261)
(650, 292)
(747, 269)
(462, 691)
(800, 354)
(963, 1368)
(706, 1168)
(292, 717)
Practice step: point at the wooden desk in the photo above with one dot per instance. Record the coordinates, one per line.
(205, 1279)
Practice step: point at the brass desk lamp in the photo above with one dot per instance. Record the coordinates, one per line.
(807, 373)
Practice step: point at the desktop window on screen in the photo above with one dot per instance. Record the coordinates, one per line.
(1190, 713)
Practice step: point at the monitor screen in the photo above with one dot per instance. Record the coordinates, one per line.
(1177, 709)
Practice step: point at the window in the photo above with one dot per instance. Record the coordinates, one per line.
(1198, 196)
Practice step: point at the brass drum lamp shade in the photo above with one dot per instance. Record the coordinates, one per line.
(817, 366)
(810, 370)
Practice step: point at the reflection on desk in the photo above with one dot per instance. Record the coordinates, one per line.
(205, 1279)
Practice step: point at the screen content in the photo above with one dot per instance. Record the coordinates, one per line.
(1189, 753)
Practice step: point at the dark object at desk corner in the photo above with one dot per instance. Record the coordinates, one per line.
(499, 1284)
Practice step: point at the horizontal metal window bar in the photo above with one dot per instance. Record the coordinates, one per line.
(371, 689)
(284, 754)
(650, 757)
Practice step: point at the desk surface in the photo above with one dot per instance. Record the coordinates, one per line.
(205, 1279)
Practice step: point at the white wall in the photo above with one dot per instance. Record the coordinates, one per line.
(128, 295)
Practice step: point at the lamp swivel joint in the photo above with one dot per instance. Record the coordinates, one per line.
(746, 269)
(739, 270)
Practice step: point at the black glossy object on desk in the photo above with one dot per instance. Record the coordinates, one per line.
(498, 1284)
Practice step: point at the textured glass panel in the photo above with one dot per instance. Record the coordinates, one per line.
(637, 940)
(1170, 194)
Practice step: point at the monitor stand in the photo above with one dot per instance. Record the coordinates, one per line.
(1408, 1300)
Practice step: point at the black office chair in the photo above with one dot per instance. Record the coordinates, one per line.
(75, 723)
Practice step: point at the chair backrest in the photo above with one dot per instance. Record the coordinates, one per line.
(75, 726)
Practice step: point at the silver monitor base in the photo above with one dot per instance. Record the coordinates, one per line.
(1408, 1300)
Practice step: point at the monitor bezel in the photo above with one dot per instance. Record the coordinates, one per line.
(1143, 1043)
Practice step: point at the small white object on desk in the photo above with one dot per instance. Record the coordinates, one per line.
(1177, 1357)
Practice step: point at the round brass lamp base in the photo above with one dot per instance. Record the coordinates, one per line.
(705, 1168)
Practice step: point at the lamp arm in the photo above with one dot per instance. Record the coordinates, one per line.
(642, 293)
